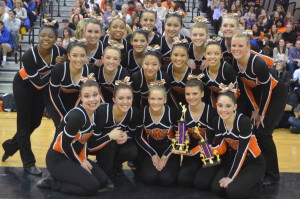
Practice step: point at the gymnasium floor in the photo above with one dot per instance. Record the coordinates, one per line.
(15, 184)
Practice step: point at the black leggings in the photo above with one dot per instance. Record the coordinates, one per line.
(71, 177)
(245, 183)
(191, 173)
(167, 176)
(264, 135)
(30, 108)
(113, 155)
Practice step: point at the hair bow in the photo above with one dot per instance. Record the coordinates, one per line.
(217, 39)
(89, 77)
(247, 32)
(153, 48)
(49, 23)
(116, 44)
(152, 9)
(118, 16)
(225, 14)
(158, 83)
(200, 19)
(230, 87)
(180, 12)
(176, 40)
(99, 18)
(191, 76)
(74, 39)
(125, 81)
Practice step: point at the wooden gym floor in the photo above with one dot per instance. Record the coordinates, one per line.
(15, 184)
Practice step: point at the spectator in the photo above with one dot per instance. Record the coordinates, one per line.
(283, 3)
(242, 23)
(275, 36)
(3, 4)
(251, 21)
(217, 15)
(161, 11)
(168, 4)
(21, 12)
(107, 3)
(118, 4)
(59, 41)
(261, 25)
(6, 43)
(13, 25)
(135, 23)
(289, 18)
(65, 24)
(250, 12)
(280, 52)
(3, 15)
(73, 24)
(267, 46)
(264, 13)
(279, 25)
(257, 36)
(139, 8)
(281, 11)
(294, 58)
(239, 13)
(295, 121)
(239, 5)
(131, 7)
(124, 10)
(67, 36)
(77, 12)
(289, 36)
(30, 6)
(107, 14)
(232, 9)
(9, 4)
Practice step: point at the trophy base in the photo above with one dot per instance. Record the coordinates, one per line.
(176, 151)
(208, 164)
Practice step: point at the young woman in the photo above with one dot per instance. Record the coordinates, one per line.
(173, 25)
(66, 160)
(191, 172)
(219, 75)
(110, 72)
(280, 53)
(199, 36)
(112, 149)
(244, 165)
(30, 86)
(66, 37)
(178, 72)
(150, 73)
(148, 21)
(275, 35)
(133, 59)
(65, 82)
(116, 29)
(267, 96)
(92, 33)
(154, 137)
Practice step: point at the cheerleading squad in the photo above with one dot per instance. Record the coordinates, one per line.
(119, 100)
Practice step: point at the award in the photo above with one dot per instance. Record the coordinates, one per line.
(181, 146)
(209, 157)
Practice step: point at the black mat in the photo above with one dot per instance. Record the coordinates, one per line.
(14, 183)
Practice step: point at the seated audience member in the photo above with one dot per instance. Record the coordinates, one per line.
(21, 12)
(294, 121)
(217, 15)
(168, 4)
(65, 24)
(280, 27)
(3, 4)
(118, 4)
(30, 6)
(161, 10)
(124, 11)
(251, 21)
(131, 8)
(280, 52)
(289, 36)
(294, 58)
(6, 43)
(267, 46)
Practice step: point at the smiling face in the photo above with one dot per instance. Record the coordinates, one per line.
(193, 95)
(225, 107)
(47, 38)
(117, 29)
(111, 59)
(157, 99)
(213, 55)
(150, 65)
(199, 36)
(172, 27)
(92, 33)
(139, 43)
(179, 57)
(239, 47)
(77, 57)
(229, 27)
(148, 21)
(123, 99)
(90, 98)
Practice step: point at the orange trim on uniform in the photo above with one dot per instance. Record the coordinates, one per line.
(253, 146)
(250, 96)
(269, 60)
(23, 74)
(274, 83)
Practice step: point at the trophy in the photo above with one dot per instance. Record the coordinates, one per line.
(209, 157)
(181, 146)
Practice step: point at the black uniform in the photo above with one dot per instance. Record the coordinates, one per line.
(225, 76)
(107, 88)
(105, 39)
(30, 87)
(165, 49)
(129, 62)
(141, 89)
(269, 96)
(97, 55)
(191, 172)
(177, 88)
(64, 94)
(245, 165)
(110, 154)
(68, 151)
(192, 56)
(155, 138)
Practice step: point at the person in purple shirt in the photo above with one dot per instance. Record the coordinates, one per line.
(216, 16)
(294, 58)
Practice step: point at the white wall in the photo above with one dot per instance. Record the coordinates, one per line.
(297, 3)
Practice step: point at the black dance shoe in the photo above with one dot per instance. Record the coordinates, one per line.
(269, 181)
(4, 157)
(45, 183)
(33, 170)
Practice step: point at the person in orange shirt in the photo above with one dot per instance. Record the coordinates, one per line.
(168, 4)
(280, 27)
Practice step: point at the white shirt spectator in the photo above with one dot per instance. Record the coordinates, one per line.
(12, 23)
(161, 13)
(21, 14)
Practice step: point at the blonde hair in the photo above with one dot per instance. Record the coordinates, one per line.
(158, 88)
(200, 25)
(80, 28)
(231, 18)
(243, 35)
